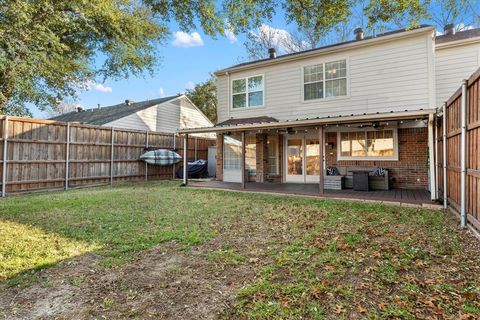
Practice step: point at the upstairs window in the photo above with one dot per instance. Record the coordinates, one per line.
(325, 80)
(247, 92)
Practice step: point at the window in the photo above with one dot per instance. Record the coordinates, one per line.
(368, 144)
(325, 80)
(232, 150)
(272, 146)
(247, 92)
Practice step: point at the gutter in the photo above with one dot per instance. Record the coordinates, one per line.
(458, 43)
(328, 50)
(313, 122)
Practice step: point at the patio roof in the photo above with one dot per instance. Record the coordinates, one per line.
(353, 118)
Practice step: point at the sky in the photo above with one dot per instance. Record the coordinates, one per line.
(188, 58)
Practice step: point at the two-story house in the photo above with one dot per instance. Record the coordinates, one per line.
(362, 105)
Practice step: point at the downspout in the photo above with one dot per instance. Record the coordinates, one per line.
(463, 164)
(444, 141)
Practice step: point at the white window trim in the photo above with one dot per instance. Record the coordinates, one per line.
(368, 158)
(247, 92)
(323, 62)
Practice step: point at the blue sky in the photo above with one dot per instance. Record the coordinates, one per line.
(187, 58)
(180, 68)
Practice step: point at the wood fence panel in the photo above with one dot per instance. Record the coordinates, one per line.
(37, 151)
(472, 183)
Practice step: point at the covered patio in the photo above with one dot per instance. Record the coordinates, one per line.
(419, 197)
(395, 152)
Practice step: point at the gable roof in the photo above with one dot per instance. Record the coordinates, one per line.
(459, 35)
(324, 48)
(100, 116)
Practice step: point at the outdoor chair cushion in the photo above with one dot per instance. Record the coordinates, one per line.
(332, 171)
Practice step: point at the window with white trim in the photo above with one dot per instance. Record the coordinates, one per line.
(247, 92)
(325, 80)
(368, 144)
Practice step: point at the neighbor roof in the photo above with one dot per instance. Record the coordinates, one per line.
(99, 116)
(459, 35)
(281, 57)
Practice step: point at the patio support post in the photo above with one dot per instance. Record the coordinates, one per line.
(242, 162)
(431, 156)
(444, 149)
(321, 144)
(5, 155)
(111, 156)
(185, 160)
(463, 158)
(67, 157)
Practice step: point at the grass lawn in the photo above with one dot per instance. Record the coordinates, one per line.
(300, 257)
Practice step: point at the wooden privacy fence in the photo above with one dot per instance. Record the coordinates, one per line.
(41, 154)
(461, 119)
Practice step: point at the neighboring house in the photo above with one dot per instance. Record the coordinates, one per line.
(362, 104)
(167, 114)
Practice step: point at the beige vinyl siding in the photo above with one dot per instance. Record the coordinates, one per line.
(390, 76)
(452, 65)
(166, 117)
(145, 119)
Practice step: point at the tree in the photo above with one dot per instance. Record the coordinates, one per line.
(204, 96)
(51, 48)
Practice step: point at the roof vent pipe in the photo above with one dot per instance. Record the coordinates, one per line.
(449, 29)
(358, 32)
(128, 102)
(272, 53)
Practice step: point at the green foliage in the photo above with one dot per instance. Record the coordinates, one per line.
(51, 48)
(204, 96)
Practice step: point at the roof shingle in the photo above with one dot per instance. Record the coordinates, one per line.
(100, 116)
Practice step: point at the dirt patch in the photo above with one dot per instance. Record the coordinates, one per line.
(168, 282)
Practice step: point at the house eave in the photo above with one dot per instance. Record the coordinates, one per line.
(314, 122)
(458, 43)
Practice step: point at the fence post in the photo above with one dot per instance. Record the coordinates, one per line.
(146, 164)
(196, 148)
(67, 157)
(463, 157)
(444, 128)
(174, 149)
(111, 156)
(431, 156)
(5, 154)
(435, 128)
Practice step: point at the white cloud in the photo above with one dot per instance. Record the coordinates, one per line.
(90, 85)
(185, 40)
(189, 85)
(230, 36)
(280, 39)
(161, 92)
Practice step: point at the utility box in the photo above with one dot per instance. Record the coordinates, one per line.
(212, 161)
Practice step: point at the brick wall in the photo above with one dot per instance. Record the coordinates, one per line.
(219, 175)
(411, 169)
(261, 157)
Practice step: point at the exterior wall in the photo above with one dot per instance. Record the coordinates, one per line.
(167, 117)
(452, 65)
(261, 157)
(411, 169)
(388, 76)
(219, 175)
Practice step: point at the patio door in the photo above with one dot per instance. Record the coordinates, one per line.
(302, 158)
